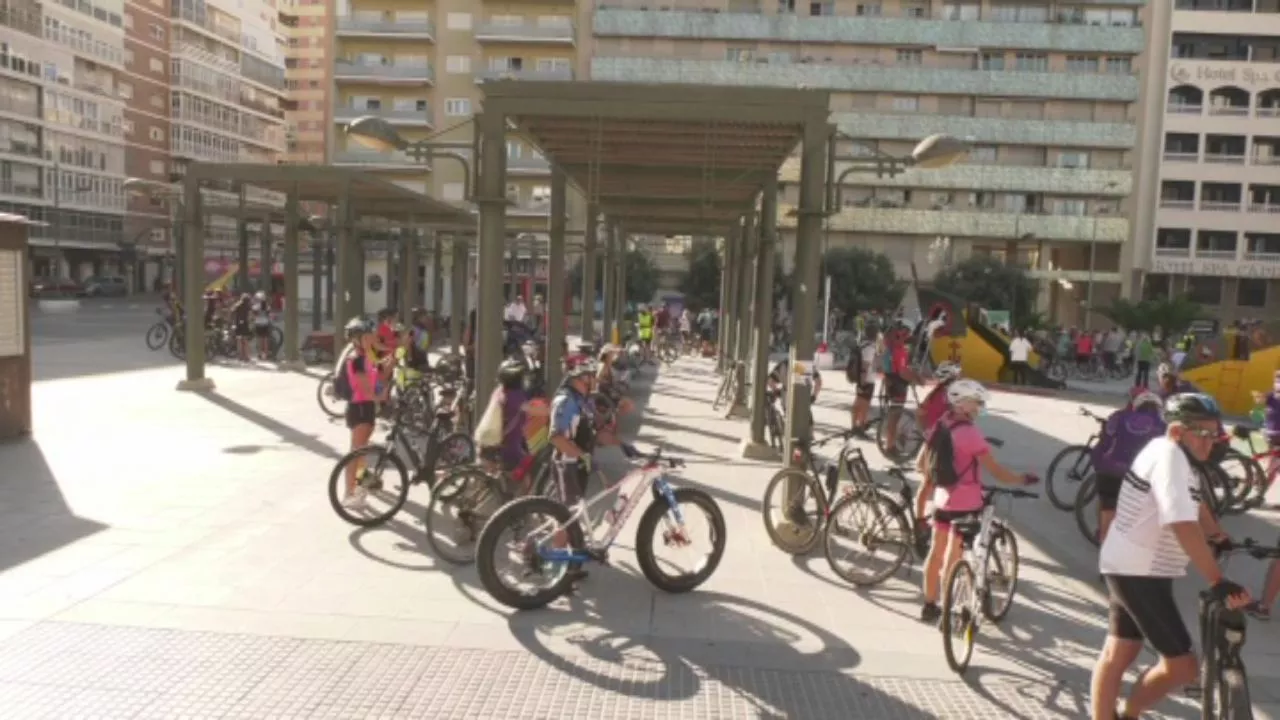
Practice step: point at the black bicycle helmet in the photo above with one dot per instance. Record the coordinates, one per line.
(1190, 407)
(512, 371)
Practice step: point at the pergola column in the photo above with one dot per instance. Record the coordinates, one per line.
(492, 200)
(193, 289)
(437, 273)
(756, 446)
(343, 242)
(804, 298)
(726, 303)
(610, 282)
(733, 273)
(264, 260)
(620, 282)
(458, 291)
(242, 246)
(742, 323)
(317, 280)
(589, 274)
(292, 342)
(409, 296)
(554, 306)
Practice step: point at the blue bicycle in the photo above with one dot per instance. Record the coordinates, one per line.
(541, 544)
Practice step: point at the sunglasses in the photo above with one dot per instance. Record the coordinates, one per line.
(1205, 433)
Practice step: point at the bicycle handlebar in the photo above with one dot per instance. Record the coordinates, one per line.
(1248, 546)
(991, 491)
(995, 442)
(900, 471)
(654, 458)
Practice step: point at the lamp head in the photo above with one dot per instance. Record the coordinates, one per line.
(939, 151)
(376, 133)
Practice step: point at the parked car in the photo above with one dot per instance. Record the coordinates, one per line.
(105, 286)
(54, 287)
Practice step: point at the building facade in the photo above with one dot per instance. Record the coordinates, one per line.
(1208, 225)
(145, 89)
(309, 33)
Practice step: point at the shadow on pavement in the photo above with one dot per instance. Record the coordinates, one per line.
(34, 517)
(74, 358)
(287, 433)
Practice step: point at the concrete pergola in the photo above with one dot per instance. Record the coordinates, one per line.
(662, 159)
(354, 195)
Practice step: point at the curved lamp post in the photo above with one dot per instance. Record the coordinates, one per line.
(932, 153)
(378, 134)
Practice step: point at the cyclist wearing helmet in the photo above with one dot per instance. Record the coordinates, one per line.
(936, 404)
(862, 373)
(1168, 383)
(262, 324)
(509, 405)
(1126, 432)
(971, 454)
(362, 408)
(898, 377)
(645, 322)
(573, 431)
(1160, 526)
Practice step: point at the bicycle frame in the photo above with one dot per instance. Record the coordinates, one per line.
(1222, 635)
(651, 472)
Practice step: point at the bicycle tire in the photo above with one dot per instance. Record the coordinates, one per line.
(157, 336)
(1008, 570)
(337, 484)
(1057, 490)
(954, 618)
(1086, 511)
(178, 346)
(1209, 678)
(509, 515)
(325, 390)
(1263, 479)
(908, 441)
(275, 341)
(1241, 490)
(653, 515)
(797, 544)
(889, 518)
(1234, 695)
(472, 492)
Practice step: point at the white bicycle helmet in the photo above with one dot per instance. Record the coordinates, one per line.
(967, 390)
(1164, 371)
(1146, 397)
(947, 371)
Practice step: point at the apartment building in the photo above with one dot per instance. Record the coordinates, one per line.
(1209, 217)
(309, 33)
(62, 157)
(1045, 91)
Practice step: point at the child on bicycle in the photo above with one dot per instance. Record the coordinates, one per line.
(1125, 433)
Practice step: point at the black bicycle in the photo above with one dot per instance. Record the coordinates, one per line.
(1075, 463)
(158, 334)
(795, 523)
(1224, 683)
(877, 524)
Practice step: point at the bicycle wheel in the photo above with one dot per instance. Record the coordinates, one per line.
(873, 526)
(456, 449)
(178, 346)
(327, 398)
(1072, 462)
(774, 427)
(1238, 476)
(675, 531)
(384, 479)
(1002, 574)
(1086, 509)
(958, 628)
(907, 440)
(1057, 372)
(275, 341)
(459, 508)
(157, 335)
(534, 521)
(795, 526)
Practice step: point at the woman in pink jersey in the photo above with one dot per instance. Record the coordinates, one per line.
(362, 410)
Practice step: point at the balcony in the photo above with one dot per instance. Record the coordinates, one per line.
(1175, 204)
(1220, 206)
(1173, 252)
(1060, 133)
(389, 26)
(1265, 208)
(22, 190)
(868, 31)
(1224, 158)
(527, 165)
(375, 158)
(416, 74)
(198, 151)
(1264, 257)
(1181, 157)
(1180, 109)
(1000, 225)
(996, 178)
(395, 116)
(526, 33)
(534, 75)
(96, 50)
(202, 19)
(869, 78)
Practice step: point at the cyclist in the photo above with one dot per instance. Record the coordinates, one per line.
(1168, 383)
(1159, 527)
(1126, 432)
(777, 382)
(898, 377)
(861, 372)
(573, 436)
(645, 322)
(933, 408)
(970, 456)
(362, 410)
(510, 405)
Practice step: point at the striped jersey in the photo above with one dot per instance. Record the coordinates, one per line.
(1160, 489)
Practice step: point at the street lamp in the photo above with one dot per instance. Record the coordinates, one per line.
(378, 134)
(932, 153)
(161, 190)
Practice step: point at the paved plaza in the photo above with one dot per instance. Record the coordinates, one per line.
(174, 555)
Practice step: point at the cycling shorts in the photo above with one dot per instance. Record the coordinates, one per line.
(1143, 608)
(572, 478)
(1108, 489)
(896, 388)
(866, 391)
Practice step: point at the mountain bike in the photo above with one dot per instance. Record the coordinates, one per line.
(729, 386)
(1224, 683)
(909, 436)
(558, 540)
(1075, 463)
(816, 480)
(158, 334)
(991, 549)
(1263, 477)
(892, 527)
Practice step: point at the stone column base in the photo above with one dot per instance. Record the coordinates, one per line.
(759, 451)
(738, 411)
(201, 385)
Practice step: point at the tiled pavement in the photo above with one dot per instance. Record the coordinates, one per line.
(167, 555)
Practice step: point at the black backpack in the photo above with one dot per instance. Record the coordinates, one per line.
(342, 382)
(942, 455)
(853, 371)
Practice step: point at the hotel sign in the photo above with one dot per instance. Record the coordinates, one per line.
(1216, 73)
(1220, 268)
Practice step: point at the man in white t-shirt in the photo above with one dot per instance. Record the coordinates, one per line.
(1019, 355)
(1159, 526)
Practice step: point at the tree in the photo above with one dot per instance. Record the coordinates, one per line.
(993, 285)
(1172, 315)
(701, 282)
(641, 277)
(862, 280)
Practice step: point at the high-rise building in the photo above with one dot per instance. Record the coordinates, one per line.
(1208, 220)
(145, 87)
(62, 155)
(1045, 92)
(309, 36)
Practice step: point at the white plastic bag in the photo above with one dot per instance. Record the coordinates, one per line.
(489, 430)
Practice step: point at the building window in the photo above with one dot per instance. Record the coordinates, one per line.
(128, 56)
(991, 61)
(868, 9)
(910, 57)
(458, 21)
(156, 134)
(982, 155)
(1031, 62)
(125, 90)
(1073, 160)
(961, 11)
(157, 101)
(128, 127)
(1082, 64)
(452, 191)
(818, 9)
(457, 107)
(156, 32)
(1251, 292)
(915, 11)
(906, 104)
(128, 21)
(157, 167)
(1120, 66)
(157, 65)
(458, 64)
(1204, 289)
(1156, 287)
(514, 149)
